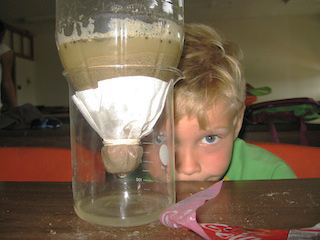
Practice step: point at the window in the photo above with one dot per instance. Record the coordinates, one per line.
(20, 41)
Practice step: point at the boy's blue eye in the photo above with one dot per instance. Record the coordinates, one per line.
(210, 139)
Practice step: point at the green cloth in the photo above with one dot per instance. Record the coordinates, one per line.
(307, 111)
(250, 162)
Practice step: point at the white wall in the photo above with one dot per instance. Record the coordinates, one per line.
(40, 81)
(280, 52)
(51, 86)
(25, 81)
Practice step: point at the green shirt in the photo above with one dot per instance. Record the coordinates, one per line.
(250, 162)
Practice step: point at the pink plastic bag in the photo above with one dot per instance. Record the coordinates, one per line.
(183, 214)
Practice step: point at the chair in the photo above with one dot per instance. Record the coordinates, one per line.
(35, 164)
(303, 160)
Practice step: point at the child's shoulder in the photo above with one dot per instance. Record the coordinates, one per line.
(252, 152)
(252, 162)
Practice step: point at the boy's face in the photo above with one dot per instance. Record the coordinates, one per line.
(205, 154)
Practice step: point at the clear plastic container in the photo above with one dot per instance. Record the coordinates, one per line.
(109, 32)
(122, 151)
(133, 197)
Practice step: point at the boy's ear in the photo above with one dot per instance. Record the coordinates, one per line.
(239, 120)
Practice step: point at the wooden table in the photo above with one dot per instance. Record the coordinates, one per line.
(45, 210)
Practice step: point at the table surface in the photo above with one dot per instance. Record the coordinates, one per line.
(39, 210)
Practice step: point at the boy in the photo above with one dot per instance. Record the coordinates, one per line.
(209, 108)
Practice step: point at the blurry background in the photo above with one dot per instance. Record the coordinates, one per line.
(280, 40)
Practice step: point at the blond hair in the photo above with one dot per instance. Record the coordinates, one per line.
(212, 71)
